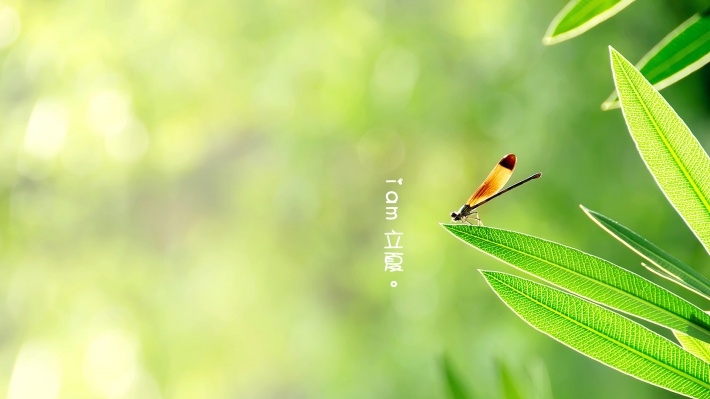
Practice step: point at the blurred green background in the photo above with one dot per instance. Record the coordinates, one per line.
(193, 200)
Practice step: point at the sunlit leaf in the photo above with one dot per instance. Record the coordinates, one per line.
(578, 16)
(588, 276)
(673, 155)
(682, 52)
(662, 263)
(659, 271)
(695, 346)
(603, 335)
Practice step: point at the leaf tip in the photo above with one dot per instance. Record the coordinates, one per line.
(486, 273)
(610, 105)
(588, 212)
(596, 218)
(447, 226)
(614, 55)
(549, 40)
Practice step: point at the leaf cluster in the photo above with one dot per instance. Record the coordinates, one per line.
(591, 301)
(682, 52)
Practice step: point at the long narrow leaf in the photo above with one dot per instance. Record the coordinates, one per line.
(588, 276)
(666, 265)
(578, 16)
(672, 154)
(663, 273)
(682, 52)
(603, 335)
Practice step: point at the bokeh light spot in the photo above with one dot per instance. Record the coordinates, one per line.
(110, 363)
(9, 26)
(36, 374)
(109, 112)
(47, 129)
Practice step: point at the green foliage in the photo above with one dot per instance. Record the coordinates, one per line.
(681, 168)
(662, 263)
(672, 154)
(588, 276)
(603, 335)
(682, 52)
(685, 50)
(695, 346)
(192, 195)
(578, 16)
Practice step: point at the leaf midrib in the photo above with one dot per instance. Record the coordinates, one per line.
(669, 148)
(608, 338)
(611, 287)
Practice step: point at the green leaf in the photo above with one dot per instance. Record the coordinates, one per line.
(655, 269)
(509, 384)
(588, 276)
(695, 346)
(578, 16)
(603, 335)
(682, 52)
(663, 263)
(457, 389)
(674, 156)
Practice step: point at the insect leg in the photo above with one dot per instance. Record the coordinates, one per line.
(478, 220)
